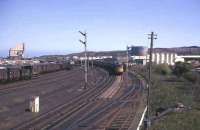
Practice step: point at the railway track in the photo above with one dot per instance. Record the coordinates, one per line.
(89, 102)
(124, 116)
(119, 115)
(60, 113)
(92, 120)
(37, 82)
(49, 94)
(54, 94)
(43, 76)
(40, 82)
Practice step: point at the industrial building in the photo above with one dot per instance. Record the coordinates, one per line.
(17, 52)
(139, 55)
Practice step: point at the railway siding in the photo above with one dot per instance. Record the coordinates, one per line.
(52, 94)
(83, 109)
(60, 112)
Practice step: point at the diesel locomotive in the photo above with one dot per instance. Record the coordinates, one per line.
(111, 65)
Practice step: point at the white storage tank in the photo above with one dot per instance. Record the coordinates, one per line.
(138, 51)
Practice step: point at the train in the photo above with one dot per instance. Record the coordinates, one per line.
(21, 72)
(111, 65)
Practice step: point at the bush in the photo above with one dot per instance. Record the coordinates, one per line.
(181, 67)
(163, 69)
(190, 76)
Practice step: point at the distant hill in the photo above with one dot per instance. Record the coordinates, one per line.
(101, 53)
(190, 50)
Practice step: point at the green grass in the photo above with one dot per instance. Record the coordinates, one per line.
(179, 121)
(167, 91)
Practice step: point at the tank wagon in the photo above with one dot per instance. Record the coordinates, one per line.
(111, 65)
(15, 72)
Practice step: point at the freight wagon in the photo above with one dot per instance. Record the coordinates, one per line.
(26, 72)
(49, 67)
(14, 72)
(3, 74)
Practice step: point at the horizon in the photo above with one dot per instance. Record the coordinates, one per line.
(111, 25)
(36, 53)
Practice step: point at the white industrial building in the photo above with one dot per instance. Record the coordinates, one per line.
(139, 55)
(94, 57)
(159, 58)
(164, 58)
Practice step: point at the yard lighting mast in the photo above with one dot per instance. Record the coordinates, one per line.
(85, 47)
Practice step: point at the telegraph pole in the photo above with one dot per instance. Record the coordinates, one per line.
(127, 57)
(127, 63)
(92, 62)
(152, 36)
(85, 47)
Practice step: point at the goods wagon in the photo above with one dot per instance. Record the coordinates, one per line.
(47, 67)
(3, 74)
(14, 72)
(37, 69)
(11, 73)
(26, 72)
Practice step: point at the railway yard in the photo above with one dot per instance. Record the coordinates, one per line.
(110, 102)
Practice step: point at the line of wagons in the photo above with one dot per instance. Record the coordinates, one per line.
(16, 72)
(111, 65)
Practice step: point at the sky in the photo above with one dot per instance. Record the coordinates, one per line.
(53, 25)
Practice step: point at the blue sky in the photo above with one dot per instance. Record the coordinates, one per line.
(111, 24)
